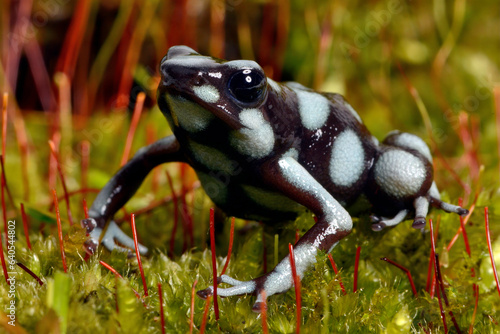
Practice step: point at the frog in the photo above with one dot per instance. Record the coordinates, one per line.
(264, 151)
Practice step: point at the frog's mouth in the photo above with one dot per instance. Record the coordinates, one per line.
(182, 78)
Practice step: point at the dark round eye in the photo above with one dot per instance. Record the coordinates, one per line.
(247, 85)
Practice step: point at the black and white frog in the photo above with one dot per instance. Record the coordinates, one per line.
(264, 150)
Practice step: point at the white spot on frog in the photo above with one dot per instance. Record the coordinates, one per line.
(399, 173)
(189, 115)
(256, 139)
(207, 93)
(347, 160)
(313, 109)
(212, 159)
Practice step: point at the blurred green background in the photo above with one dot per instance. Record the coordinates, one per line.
(73, 70)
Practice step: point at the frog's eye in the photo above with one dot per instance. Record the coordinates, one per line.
(247, 86)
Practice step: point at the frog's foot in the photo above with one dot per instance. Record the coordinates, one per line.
(113, 238)
(259, 287)
(379, 223)
(237, 288)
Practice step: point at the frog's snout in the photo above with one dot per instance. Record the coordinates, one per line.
(179, 50)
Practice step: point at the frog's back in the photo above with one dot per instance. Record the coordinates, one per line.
(336, 147)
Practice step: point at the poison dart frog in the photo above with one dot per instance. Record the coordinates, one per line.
(264, 150)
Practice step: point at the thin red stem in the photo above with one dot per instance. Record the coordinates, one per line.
(133, 126)
(230, 248)
(139, 262)
(85, 152)
(162, 316)
(465, 221)
(4, 207)
(25, 226)
(61, 175)
(464, 232)
(214, 262)
(441, 309)
(490, 250)
(176, 214)
(117, 275)
(406, 271)
(263, 312)
(4, 121)
(334, 266)
(4, 211)
(26, 269)
(4, 180)
(205, 315)
(437, 266)
(430, 272)
(356, 267)
(85, 209)
(264, 252)
(296, 283)
(476, 294)
(59, 229)
(191, 319)
(113, 270)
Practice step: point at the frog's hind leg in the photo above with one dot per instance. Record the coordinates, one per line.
(379, 223)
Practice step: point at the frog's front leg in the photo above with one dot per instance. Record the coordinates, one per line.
(120, 189)
(334, 223)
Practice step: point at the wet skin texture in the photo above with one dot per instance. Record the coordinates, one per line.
(265, 150)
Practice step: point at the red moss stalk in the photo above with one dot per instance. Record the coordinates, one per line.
(476, 294)
(205, 315)
(25, 226)
(214, 262)
(490, 250)
(230, 248)
(117, 275)
(4, 207)
(85, 152)
(263, 312)
(356, 267)
(139, 262)
(61, 175)
(334, 266)
(4, 121)
(296, 283)
(133, 126)
(59, 229)
(413, 289)
(191, 318)
(2, 257)
(32, 274)
(162, 316)
(176, 214)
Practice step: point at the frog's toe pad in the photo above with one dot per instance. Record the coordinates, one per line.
(419, 223)
(204, 294)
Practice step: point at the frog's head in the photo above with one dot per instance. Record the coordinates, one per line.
(224, 88)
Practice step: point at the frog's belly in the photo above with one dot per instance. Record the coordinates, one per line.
(247, 201)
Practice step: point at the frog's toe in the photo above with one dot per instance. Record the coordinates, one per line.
(238, 288)
(421, 205)
(436, 202)
(379, 223)
(110, 238)
(260, 303)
